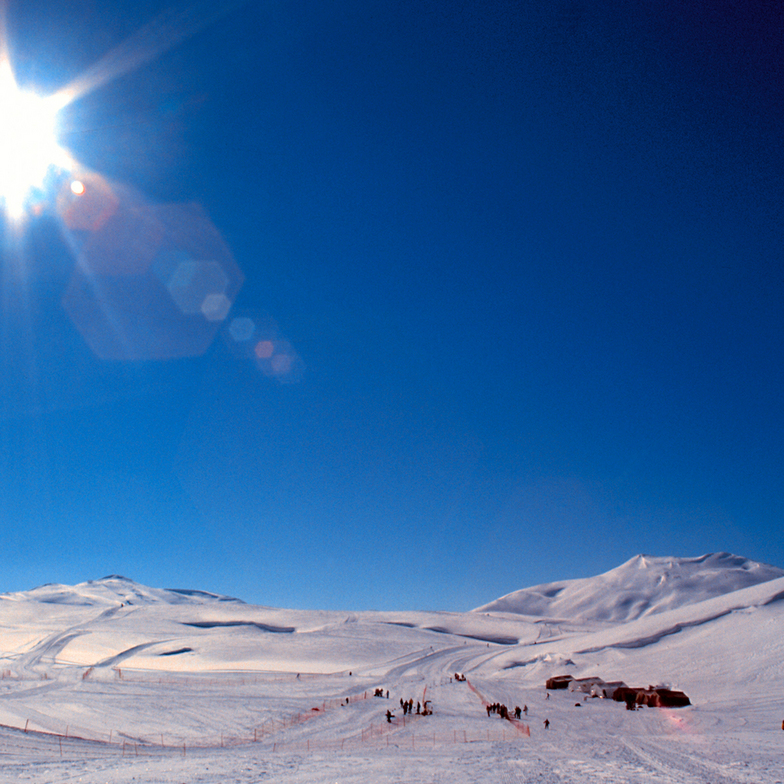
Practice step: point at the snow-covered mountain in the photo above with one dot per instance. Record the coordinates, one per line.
(111, 591)
(113, 680)
(644, 585)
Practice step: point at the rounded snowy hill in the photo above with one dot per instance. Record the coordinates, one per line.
(113, 591)
(644, 585)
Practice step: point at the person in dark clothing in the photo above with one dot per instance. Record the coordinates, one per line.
(547, 723)
(389, 717)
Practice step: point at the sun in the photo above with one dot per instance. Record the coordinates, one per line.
(28, 142)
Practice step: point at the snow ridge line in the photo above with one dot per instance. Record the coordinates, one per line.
(650, 639)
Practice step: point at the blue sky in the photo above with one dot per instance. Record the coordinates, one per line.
(522, 261)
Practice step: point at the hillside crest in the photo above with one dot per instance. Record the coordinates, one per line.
(113, 590)
(644, 585)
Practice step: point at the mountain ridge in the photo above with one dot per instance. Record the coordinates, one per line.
(644, 585)
(114, 590)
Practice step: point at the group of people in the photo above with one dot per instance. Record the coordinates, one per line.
(425, 710)
(422, 709)
(503, 711)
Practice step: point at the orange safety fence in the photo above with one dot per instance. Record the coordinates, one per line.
(219, 677)
(389, 733)
(520, 726)
(375, 734)
(392, 733)
(258, 733)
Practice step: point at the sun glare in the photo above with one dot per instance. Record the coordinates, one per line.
(28, 142)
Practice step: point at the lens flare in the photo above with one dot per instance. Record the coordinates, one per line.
(28, 141)
(264, 349)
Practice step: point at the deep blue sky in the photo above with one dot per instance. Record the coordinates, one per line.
(527, 258)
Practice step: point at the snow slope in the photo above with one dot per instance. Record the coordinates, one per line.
(114, 681)
(642, 586)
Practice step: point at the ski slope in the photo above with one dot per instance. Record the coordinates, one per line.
(114, 681)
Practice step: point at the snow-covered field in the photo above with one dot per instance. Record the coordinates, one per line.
(111, 681)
